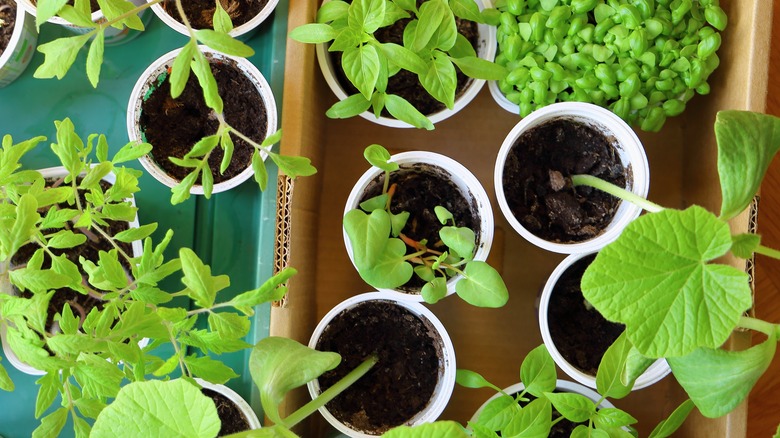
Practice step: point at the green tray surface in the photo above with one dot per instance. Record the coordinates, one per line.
(233, 231)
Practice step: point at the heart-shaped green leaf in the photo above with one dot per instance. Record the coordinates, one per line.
(482, 286)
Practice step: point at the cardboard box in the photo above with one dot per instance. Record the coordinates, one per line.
(492, 341)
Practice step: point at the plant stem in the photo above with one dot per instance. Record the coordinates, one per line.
(598, 183)
(114, 244)
(331, 393)
(758, 325)
(769, 252)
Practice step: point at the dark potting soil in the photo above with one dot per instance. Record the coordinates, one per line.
(7, 22)
(538, 187)
(419, 190)
(89, 250)
(403, 380)
(200, 13)
(233, 420)
(579, 332)
(173, 126)
(405, 83)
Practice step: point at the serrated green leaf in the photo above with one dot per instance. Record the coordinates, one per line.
(48, 388)
(745, 245)
(24, 223)
(89, 408)
(136, 233)
(38, 281)
(114, 9)
(69, 324)
(293, 166)
(434, 290)
(575, 407)
(66, 239)
(52, 424)
(45, 9)
(95, 174)
(203, 146)
(438, 429)
(349, 107)
(270, 290)
(65, 344)
(181, 192)
(209, 369)
(229, 325)
(659, 264)
(224, 43)
(81, 428)
(402, 110)
(537, 372)
(175, 408)
(180, 69)
(440, 79)
(59, 56)
(97, 376)
(735, 371)
(131, 151)
(461, 240)
(361, 66)
(314, 33)
(482, 286)
(221, 19)
(95, 58)
(747, 142)
(279, 365)
(669, 426)
(198, 278)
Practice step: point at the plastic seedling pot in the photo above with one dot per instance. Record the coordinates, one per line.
(21, 47)
(249, 414)
(242, 32)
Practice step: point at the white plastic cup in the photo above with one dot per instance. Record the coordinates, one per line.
(629, 149)
(560, 386)
(447, 367)
(501, 99)
(242, 32)
(486, 50)
(7, 288)
(241, 404)
(657, 371)
(21, 47)
(467, 183)
(112, 35)
(146, 83)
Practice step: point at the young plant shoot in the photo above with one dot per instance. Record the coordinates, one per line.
(379, 247)
(659, 279)
(87, 354)
(432, 48)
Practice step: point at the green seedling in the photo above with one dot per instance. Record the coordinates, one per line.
(432, 49)
(379, 248)
(519, 415)
(641, 59)
(90, 354)
(659, 277)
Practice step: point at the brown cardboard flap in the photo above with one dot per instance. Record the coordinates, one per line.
(493, 341)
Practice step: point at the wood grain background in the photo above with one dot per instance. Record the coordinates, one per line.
(764, 402)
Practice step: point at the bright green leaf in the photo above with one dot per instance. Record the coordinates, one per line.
(209, 369)
(332, 10)
(472, 379)
(575, 407)
(138, 233)
(97, 376)
(181, 192)
(482, 286)
(611, 369)
(459, 239)
(349, 107)
(361, 66)
(131, 151)
(431, 14)
(366, 15)
(440, 79)
(434, 290)
(378, 156)
(46, 9)
(537, 372)
(226, 142)
(197, 277)
(271, 290)
(613, 417)
(52, 424)
(314, 33)
(6, 384)
(656, 279)
(229, 325)
(398, 222)
(260, 172)
(404, 58)
(202, 69)
(174, 408)
(534, 420)
(66, 239)
(294, 166)
(390, 269)
(744, 245)
(479, 68)
(95, 58)
(368, 234)
(223, 43)
(221, 19)
(180, 70)
(48, 388)
(59, 55)
(438, 429)
(669, 426)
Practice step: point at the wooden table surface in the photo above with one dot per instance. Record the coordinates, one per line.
(764, 402)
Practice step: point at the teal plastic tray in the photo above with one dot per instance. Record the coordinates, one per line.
(233, 231)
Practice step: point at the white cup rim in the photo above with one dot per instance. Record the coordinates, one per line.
(233, 396)
(462, 177)
(16, 35)
(446, 383)
(657, 371)
(629, 148)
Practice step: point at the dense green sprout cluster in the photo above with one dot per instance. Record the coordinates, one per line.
(642, 59)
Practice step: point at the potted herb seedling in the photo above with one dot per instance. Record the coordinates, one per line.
(385, 46)
(238, 18)
(642, 60)
(87, 357)
(542, 405)
(659, 278)
(576, 334)
(18, 38)
(546, 148)
(390, 244)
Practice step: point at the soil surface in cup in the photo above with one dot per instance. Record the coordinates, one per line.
(79, 303)
(578, 330)
(418, 190)
(405, 83)
(173, 126)
(233, 420)
(200, 13)
(537, 180)
(401, 383)
(7, 22)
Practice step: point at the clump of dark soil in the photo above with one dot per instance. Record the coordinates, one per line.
(403, 380)
(200, 13)
(173, 126)
(80, 304)
(538, 187)
(579, 332)
(7, 22)
(405, 83)
(233, 420)
(419, 190)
